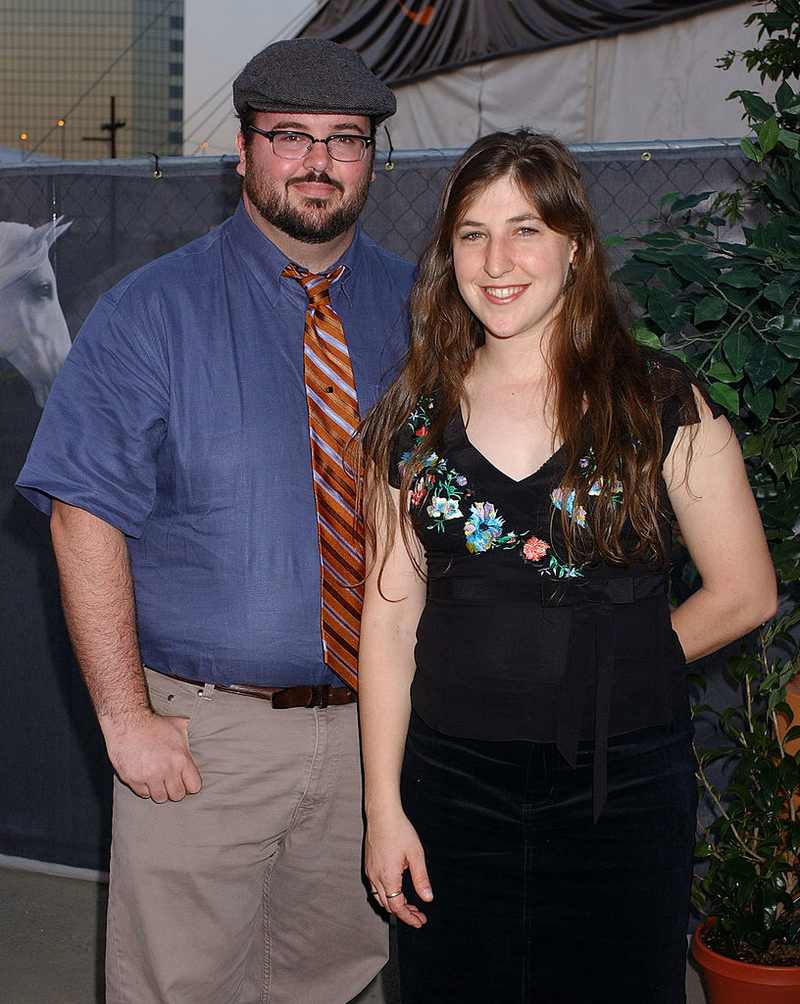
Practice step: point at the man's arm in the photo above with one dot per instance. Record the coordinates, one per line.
(149, 752)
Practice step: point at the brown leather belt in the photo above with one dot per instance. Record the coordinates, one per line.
(315, 695)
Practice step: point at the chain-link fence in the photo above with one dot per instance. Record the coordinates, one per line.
(122, 214)
(125, 213)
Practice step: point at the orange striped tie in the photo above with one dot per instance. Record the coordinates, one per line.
(332, 420)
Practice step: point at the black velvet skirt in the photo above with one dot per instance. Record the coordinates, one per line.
(534, 903)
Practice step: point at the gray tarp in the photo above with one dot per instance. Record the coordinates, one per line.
(407, 41)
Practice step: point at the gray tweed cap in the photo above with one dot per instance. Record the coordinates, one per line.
(312, 75)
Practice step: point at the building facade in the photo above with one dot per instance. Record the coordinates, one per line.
(86, 79)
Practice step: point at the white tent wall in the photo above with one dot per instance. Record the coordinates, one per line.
(662, 83)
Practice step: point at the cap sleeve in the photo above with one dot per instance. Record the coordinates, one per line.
(414, 429)
(674, 385)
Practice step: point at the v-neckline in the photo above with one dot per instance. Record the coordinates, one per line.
(494, 467)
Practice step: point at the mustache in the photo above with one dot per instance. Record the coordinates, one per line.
(321, 177)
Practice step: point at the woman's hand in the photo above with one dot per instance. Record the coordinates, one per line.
(392, 845)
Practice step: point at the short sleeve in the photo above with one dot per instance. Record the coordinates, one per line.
(408, 436)
(674, 385)
(97, 442)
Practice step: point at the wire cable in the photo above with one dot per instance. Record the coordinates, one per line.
(105, 73)
(288, 31)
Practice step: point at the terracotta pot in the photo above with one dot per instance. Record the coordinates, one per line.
(793, 700)
(729, 981)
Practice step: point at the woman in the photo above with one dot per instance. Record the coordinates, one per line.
(524, 471)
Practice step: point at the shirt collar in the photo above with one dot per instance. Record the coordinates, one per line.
(266, 261)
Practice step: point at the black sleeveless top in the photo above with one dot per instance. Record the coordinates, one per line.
(515, 642)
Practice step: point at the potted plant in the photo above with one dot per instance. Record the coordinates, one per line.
(731, 308)
(752, 841)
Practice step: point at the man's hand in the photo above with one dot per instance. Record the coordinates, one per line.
(149, 752)
(151, 755)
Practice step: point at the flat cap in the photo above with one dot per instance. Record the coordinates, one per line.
(312, 75)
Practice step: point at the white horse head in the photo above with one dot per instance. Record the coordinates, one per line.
(34, 336)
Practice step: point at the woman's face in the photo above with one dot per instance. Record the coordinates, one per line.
(509, 265)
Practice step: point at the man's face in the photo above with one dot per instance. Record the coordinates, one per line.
(315, 199)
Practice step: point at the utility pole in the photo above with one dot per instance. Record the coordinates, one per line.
(111, 128)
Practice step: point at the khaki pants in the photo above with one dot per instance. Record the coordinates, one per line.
(251, 891)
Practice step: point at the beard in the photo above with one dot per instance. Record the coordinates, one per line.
(313, 222)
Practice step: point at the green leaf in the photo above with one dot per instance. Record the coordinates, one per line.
(710, 308)
(613, 239)
(784, 96)
(669, 279)
(768, 134)
(645, 335)
(786, 371)
(635, 270)
(778, 292)
(784, 323)
(751, 151)
(736, 348)
(666, 310)
(689, 201)
(693, 269)
(776, 234)
(786, 559)
(740, 278)
(752, 446)
(789, 345)
(725, 395)
(762, 364)
(663, 239)
(784, 192)
(759, 402)
(638, 293)
(755, 106)
(721, 371)
(783, 462)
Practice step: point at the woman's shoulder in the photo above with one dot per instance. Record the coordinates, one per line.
(408, 437)
(674, 387)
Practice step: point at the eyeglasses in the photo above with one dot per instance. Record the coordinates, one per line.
(291, 145)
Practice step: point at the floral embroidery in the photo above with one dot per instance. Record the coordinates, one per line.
(436, 477)
(559, 501)
(559, 570)
(441, 491)
(484, 529)
(419, 492)
(418, 422)
(565, 500)
(534, 549)
(443, 508)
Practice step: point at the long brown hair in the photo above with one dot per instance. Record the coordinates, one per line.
(603, 402)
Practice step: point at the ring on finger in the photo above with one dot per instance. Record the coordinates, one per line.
(391, 895)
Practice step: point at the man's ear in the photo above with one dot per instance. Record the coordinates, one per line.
(241, 147)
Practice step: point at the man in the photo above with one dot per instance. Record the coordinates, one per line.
(180, 450)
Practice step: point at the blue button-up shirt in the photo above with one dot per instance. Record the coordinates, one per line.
(180, 418)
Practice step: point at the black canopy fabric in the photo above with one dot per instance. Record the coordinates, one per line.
(407, 40)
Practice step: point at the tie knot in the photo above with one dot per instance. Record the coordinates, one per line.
(315, 284)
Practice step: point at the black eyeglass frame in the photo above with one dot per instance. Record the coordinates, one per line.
(368, 141)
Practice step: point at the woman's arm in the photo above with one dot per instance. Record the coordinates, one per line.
(393, 602)
(720, 524)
